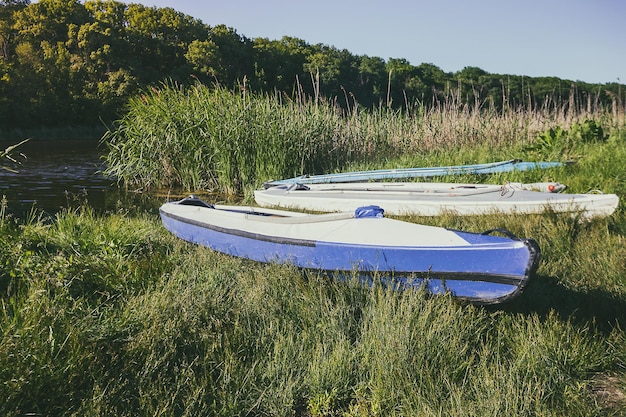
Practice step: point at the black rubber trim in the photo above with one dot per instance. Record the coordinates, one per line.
(503, 231)
(241, 233)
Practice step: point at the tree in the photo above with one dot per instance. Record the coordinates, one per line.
(400, 72)
(337, 70)
(100, 63)
(40, 69)
(224, 56)
(372, 79)
(205, 58)
(7, 32)
(279, 64)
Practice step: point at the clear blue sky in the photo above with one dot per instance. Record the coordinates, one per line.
(571, 39)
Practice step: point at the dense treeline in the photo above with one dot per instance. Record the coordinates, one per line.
(63, 62)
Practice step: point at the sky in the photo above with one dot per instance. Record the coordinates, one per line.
(578, 40)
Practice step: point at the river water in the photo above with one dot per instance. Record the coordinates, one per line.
(53, 175)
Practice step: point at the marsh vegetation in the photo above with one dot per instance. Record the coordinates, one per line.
(108, 314)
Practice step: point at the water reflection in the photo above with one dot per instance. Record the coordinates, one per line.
(58, 174)
(54, 175)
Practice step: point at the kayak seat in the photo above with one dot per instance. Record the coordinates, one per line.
(193, 200)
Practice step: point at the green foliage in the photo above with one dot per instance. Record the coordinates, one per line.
(550, 143)
(211, 139)
(558, 143)
(587, 131)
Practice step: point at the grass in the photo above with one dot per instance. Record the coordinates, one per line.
(113, 316)
(108, 314)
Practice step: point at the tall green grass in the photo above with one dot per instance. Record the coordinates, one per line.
(111, 315)
(199, 138)
(212, 139)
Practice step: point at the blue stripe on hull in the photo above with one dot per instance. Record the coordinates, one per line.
(487, 271)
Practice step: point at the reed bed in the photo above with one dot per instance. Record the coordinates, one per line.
(212, 139)
(200, 138)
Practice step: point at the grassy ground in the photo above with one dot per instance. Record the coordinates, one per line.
(111, 315)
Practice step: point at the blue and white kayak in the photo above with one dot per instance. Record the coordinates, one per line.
(482, 268)
(385, 174)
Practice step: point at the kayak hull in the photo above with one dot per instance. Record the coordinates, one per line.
(481, 268)
(432, 199)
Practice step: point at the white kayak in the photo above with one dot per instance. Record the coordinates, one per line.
(432, 199)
